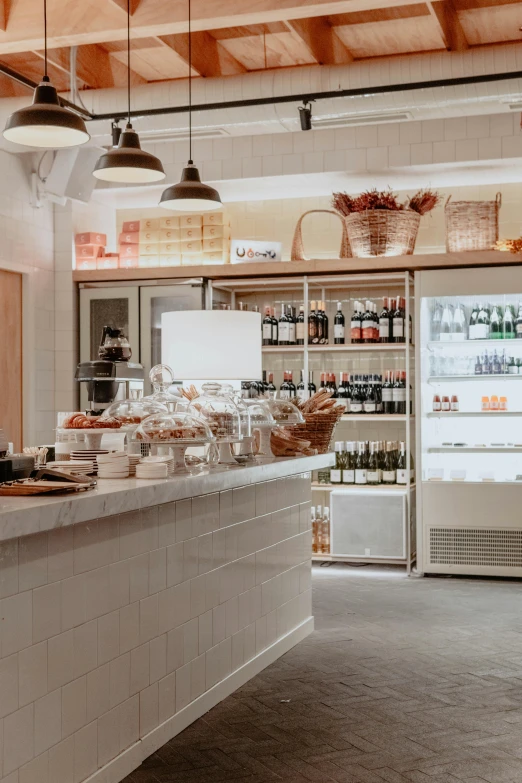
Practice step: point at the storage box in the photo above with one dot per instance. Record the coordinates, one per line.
(143, 224)
(210, 232)
(213, 245)
(215, 258)
(108, 262)
(89, 251)
(149, 236)
(214, 218)
(86, 264)
(170, 249)
(174, 260)
(129, 238)
(128, 262)
(149, 249)
(169, 222)
(189, 221)
(194, 232)
(149, 261)
(169, 235)
(129, 251)
(191, 246)
(90, 238)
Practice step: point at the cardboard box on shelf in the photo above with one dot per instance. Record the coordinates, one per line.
(149, 249)
(129, 251)
(149, 261)
(191, 259)
(90, 238)
(174, 260)
(143, 224)
(189, 221)
(214, 218)
(149, 236)
(129, 238)
(191, 246)
(128, 262)
(110, 261)
(169, 222)
(169, 234)
(194, 232)
(86, 264)
(215, 258)
(89, 251)
(215, 244)
(170, 248)
(210, 232)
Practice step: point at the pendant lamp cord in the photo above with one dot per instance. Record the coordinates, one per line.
(45, 41)
(190, 82)
(128, 64)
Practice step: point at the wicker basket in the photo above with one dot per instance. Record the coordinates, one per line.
(297, 252)
(318, 429)
(471, 225)
(382, 232)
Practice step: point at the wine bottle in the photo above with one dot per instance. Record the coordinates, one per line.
(402, 473)
(518, 323)
(267, 327)
(300, 327)
(508, 324)
(271, 387)
(291, 325)
(291, 384)
(370, 402)
(372, 475)
(356, 324)
(458, 327)
(387, 393)
(384, 322)
(336, 473)
(324, 339)
(361, 464)
(399, 394)
(275, 327)
(436, 319)
(301, 394)
(311, 385)
(284, 327)
(398, 322)
(367, 325)
(312, 325)
(339, 325)
(472, 328)
(389, 475)
(284, 389)
(356, 405)
(495, 324)
(482, 325)
(349, 469)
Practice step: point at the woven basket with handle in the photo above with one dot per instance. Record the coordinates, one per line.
(318, 429)
(382, 232)
(297, 252)
(471, 225)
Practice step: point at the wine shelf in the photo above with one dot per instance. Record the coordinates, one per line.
(375, 417)
(503, 483)
(450, 378)
(472, 343)
(473, 414)
(399, 488)
(474, 450)
(355, 347)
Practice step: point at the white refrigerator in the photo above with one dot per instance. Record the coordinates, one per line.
(469, 422)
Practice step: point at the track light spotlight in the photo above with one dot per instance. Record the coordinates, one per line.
(115, 133)
(305, 116)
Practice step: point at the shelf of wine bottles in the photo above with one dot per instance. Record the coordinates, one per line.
(371, 463)
(475, 378)
(399, 488)
(472, 414)
(474, 449)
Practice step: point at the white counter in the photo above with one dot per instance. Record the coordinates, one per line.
(24, 516)
(129, 611)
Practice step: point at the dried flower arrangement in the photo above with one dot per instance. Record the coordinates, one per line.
(511, 245)
(422, 202)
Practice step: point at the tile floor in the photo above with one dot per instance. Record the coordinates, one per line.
(404, 680)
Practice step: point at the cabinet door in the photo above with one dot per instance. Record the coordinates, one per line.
(154, 301)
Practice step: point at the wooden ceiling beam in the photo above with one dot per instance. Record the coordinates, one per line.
(447, 19)
(123, 5)
(94, 66)
(321, 40)
(209, 57)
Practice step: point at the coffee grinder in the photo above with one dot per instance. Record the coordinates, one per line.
(112, 376)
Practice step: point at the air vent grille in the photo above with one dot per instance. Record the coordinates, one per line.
(182, 134)
(359, 119)
(476, 547)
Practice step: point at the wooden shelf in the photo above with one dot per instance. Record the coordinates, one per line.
(473, 414)
(282, 348)
(375, 417)
(474, 450)
(400, 489)
(355, 348)
(489, 343)
(475, 378)
(357, 266)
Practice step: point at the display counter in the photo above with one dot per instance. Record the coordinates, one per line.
(129, 611)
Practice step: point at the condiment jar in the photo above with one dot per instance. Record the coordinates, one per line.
(493, 403)
(454, 403)
(485, 404)
(503, 404)
(436, 403)
(445, 404)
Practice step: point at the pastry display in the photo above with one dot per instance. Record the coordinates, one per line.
(132, 412)
(168, 427)
(79, 421)
(219, 411)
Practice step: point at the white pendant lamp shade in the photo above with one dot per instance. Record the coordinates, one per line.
(46, 123)
(128, 163)
(190, 194)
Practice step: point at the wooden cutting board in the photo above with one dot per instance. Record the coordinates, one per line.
(39, 487)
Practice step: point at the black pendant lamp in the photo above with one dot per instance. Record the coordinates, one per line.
(46, 123)
(128, 163)
(190, 194)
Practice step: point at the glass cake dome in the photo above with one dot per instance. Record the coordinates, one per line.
(285, 412)
(219, 411)
(168, 427)
(260, 413)
(165, 389)
(130, 412)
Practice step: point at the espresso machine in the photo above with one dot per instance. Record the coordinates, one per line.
(112, 376)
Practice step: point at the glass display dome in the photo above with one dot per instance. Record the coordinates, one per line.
(165, 389)
(260, 413)
(132, 412)
(220, 412)
(168, 427)
(285, 413)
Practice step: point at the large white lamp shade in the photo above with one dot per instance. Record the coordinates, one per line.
(217, 345)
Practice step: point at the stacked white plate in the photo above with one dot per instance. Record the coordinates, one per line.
(154, 467)
(134, 460)
(113, 465)
(91, 455)
(82, 468)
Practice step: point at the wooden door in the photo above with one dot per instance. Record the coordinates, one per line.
(11, 357)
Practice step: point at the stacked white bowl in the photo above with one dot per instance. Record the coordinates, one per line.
(134, 459)
(113, 465)
(154, 467)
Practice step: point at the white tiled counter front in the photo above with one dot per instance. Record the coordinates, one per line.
(118, 630)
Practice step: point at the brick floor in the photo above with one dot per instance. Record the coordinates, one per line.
(404, 681)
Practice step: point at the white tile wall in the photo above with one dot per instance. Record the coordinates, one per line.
(111, 627)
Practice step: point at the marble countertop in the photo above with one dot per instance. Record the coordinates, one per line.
(20, 516)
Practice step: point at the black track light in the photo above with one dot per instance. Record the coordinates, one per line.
(305, 116)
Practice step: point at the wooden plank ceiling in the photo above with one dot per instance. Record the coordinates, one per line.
(233, 37)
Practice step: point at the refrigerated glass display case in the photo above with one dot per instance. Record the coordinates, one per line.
(469, 439)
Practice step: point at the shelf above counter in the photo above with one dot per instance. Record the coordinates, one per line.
(474, 450)
(348, 348)
(490, 343)
(476, 378)
(400, 489)
(397, 417)
(473, 414)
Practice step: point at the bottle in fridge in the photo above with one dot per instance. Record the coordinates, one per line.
(446, 323)
(339, 325)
